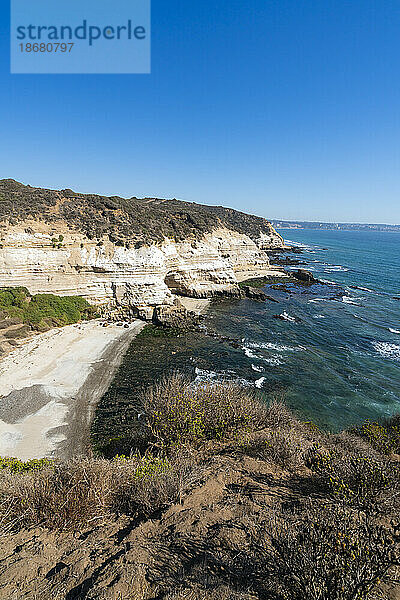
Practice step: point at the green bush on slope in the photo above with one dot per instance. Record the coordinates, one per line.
(383, 437)
(43, 311)
(14, 465)
(179, 414)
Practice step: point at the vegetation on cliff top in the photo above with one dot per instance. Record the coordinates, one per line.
(229, 500)
(125, 221)
(42, 311)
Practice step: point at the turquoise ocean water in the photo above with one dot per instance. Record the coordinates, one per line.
(340, 359)
(334, 355)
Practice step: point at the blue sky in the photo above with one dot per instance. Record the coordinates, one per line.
(284, 108)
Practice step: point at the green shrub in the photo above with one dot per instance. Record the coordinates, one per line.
(44, 311)
(124, 220)
(14, 297)
(147, 466)
(14, 465)
(311, 426)
(383, 437)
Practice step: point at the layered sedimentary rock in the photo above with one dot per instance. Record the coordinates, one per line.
(65, 262)
(135, 253)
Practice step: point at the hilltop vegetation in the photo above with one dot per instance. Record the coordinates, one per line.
(126, 221)
(228, 499)
(42, 311)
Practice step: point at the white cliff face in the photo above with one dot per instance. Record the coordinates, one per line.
(141, 277)
(271, 241)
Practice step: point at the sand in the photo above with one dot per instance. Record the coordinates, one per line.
(197, 305)
(50, 386)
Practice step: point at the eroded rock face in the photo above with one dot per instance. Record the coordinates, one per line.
(254, 293)
(49, 259)
(175, 316)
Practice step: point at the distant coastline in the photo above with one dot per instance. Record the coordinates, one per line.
(279, 224)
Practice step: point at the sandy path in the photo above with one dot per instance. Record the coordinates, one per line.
(50, 385)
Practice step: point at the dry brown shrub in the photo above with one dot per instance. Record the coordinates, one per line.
(85, 491)
(369, 483)
(179, 413)
(220, 593)
(279, 416)
(278, 447)
(328, 553)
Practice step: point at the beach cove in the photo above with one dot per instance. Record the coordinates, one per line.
(50, 386)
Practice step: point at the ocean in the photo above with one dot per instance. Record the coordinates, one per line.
(333, 355)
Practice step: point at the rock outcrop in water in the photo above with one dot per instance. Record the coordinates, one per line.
(104, 250)
(304, 276)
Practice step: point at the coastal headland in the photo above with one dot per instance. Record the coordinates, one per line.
(154, 260)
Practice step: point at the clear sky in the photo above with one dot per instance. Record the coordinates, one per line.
(284, 108)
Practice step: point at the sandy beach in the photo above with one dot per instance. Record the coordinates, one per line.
(50, 386)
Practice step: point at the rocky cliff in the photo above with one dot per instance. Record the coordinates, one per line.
(71, 244)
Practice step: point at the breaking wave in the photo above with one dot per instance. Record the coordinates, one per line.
(205, 376)
(349, 300)
(387, 350)
(273, 346)
(286, 317)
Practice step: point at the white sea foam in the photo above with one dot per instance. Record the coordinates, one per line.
(320, 299)
(349, 300)
(274, 361)
(274, 346)
(319, 317)
(363, 289)
(243, 382)
(256, 345)
(387, 350)
(287, 317)
(394, 330)
(299, 245)
(335, 268)
(205, 376)
(270, 360)
(250, 354)
(259, 382)
(295, 268)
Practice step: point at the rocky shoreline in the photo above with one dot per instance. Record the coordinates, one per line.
(121, 320)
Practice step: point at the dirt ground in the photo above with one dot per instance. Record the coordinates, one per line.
(155, 559)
